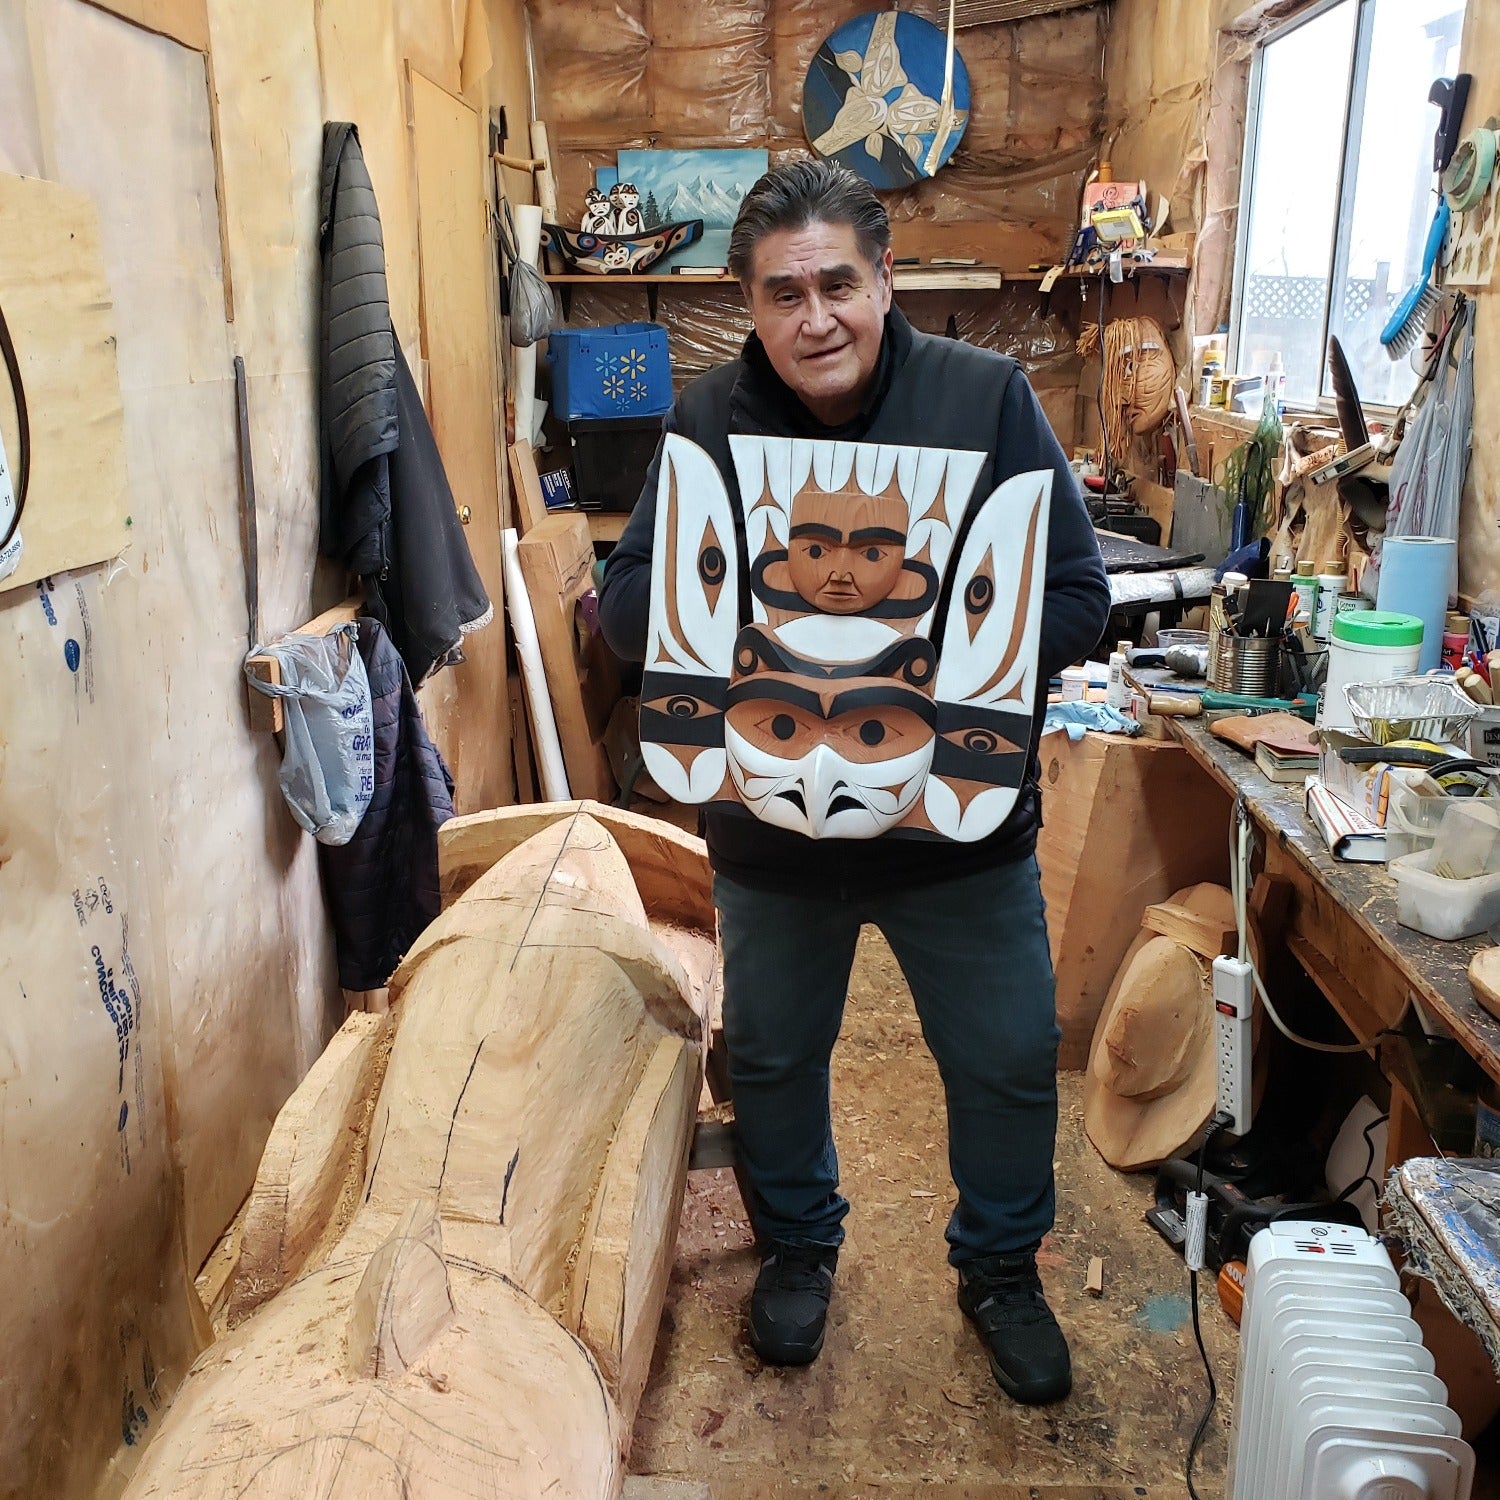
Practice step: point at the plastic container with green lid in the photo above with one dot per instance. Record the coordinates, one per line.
(1367, 645)
(1375, 627)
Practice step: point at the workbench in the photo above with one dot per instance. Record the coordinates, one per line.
(1341, 928)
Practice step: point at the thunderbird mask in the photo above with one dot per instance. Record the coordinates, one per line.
(823, 706)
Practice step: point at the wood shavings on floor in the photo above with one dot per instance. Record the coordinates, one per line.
(901, 1400)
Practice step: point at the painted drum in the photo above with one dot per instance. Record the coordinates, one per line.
(873, 98)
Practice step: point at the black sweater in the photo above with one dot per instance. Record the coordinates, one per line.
(928, 392)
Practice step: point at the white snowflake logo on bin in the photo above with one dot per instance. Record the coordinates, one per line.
(605, 364)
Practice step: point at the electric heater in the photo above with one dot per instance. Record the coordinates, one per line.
(1335, 1398)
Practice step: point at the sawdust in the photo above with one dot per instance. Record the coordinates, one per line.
(902, 1399)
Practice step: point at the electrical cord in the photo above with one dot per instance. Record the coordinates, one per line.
(1219, 1122)
(23, 430)
(1099, 394)
(1364, 1176)
(1239, 880)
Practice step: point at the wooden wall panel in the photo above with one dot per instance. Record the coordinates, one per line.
(61, 318)
(184, 21)
(456, 250)
(363, 80)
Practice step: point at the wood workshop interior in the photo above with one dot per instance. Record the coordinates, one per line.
(749, 748)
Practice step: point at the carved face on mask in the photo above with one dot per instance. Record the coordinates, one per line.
(841, 753)
(846, 558)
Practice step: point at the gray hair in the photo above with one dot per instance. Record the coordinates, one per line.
(800, 193)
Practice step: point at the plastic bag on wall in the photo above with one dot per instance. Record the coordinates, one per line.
(328, 763)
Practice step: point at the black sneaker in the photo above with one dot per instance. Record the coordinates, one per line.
(1002, 1296)
(790, 1302)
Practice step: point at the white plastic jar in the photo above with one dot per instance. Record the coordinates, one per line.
(1367, 645)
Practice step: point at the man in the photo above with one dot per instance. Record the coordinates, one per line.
(831, 358)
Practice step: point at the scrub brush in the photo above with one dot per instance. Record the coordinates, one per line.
(1405, 327)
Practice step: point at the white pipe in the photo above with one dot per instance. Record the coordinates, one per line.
(546, 745)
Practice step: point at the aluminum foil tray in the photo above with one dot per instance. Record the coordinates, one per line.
(1411, 708)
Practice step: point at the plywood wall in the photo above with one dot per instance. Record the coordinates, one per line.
(1479, 535)
(167, 973)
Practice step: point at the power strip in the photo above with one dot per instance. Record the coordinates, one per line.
(1234, 998)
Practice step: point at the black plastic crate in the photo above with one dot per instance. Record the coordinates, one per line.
(610, 459)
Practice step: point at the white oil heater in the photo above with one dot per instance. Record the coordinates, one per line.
(1335, 1398)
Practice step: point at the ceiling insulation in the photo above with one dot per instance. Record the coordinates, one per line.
(987, 12)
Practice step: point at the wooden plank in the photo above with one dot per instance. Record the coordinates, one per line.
(1405, 1134)
(1484, 979)
(520, 740)
(583, 678)
(1094, 1282)
(184, 21)
(456, 252)
(265, 713)
(1200, 934)
(1157, 501)
(61, 316)
(1355, 1011)
(606, 525)
(1125, 823)
(526, 487)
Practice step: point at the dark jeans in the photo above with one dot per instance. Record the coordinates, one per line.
(975, 954)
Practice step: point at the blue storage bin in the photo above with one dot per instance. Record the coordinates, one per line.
(622, 370)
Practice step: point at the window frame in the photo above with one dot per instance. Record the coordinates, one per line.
(1359, 71)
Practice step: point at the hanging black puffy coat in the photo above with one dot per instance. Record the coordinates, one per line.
(382, 886)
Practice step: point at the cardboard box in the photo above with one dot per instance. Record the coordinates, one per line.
(1484, 737)
(1366, 787)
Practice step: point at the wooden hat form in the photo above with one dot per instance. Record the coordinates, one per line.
(1484, 978)
(1151, 1082)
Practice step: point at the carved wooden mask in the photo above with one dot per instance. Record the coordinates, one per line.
(821, 703)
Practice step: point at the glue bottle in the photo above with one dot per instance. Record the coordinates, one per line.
(1117, 694)
(1276, 382)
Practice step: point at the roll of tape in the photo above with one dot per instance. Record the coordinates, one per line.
(1469, 174)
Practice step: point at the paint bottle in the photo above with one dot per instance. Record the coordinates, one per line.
(1117, 694)
(1332, 582)
(1212, 379)
(1276, 382)
(1305, 586)
(1075, 684)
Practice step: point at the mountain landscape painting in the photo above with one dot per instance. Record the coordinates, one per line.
(707, 185)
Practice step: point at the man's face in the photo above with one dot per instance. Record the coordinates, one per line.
(819, 308)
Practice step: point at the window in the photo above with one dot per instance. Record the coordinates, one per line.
(1339, 189)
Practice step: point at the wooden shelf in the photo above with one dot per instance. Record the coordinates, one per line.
(907, 279)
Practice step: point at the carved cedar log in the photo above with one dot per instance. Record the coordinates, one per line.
(483, 1323)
